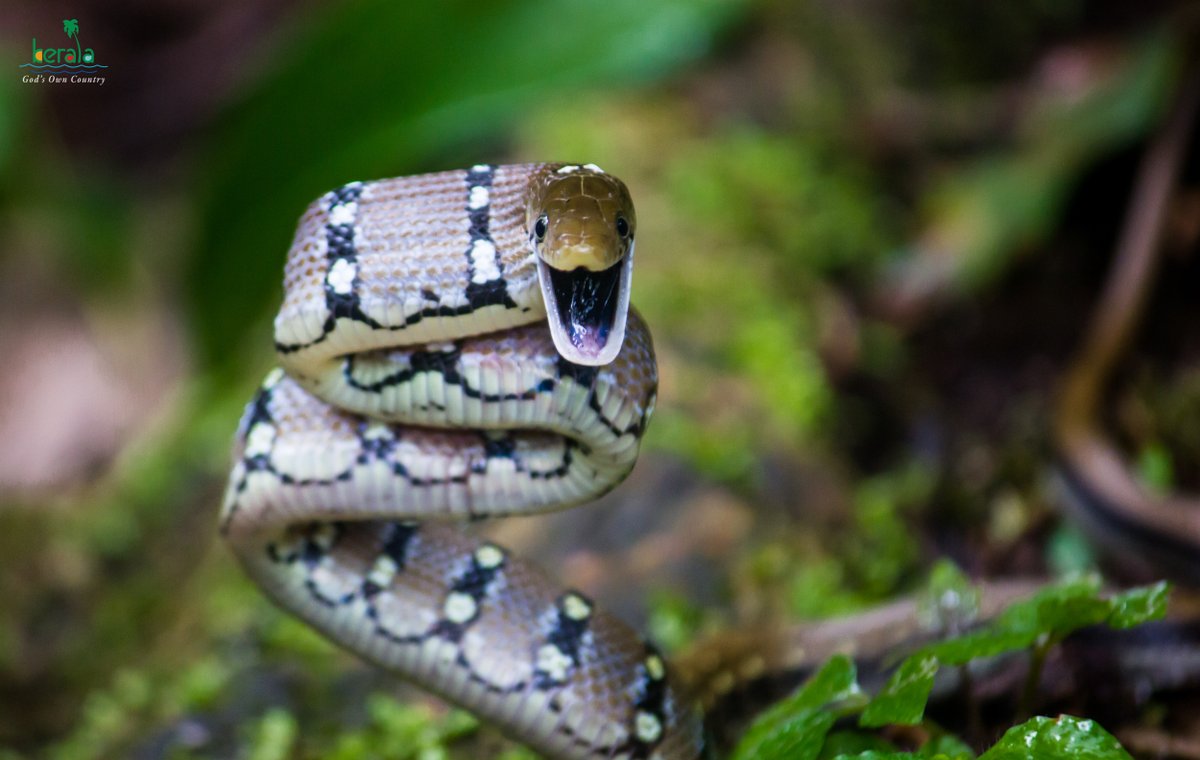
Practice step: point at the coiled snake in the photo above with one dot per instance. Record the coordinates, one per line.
(455, 346)
(459, 345)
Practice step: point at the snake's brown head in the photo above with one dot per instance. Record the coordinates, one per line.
(581, 226)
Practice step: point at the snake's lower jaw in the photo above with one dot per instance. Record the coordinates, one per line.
(587, 310)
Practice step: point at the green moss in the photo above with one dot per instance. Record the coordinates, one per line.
(273, 736)
(881, 552)
(674, 620)
(808, 204)
(400, 731)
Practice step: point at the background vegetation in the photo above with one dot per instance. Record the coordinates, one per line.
(870, 235)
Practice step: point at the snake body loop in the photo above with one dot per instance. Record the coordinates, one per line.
(423, 383)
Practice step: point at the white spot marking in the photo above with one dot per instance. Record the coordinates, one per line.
(489, 556)
(343, 213)
(260, 439)
(483, 261)
(568, 169)
(647, 726)
(654, 667)
(552, 662)
(459, 608)
(383, 571)
(593, 167)
(378, 431)
(341, 276)
(272, 379)
(576, 607)
(478, 197)
(477, 168)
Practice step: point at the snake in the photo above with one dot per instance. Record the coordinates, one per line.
(456, 346)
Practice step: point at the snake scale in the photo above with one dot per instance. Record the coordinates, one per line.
(454, 346)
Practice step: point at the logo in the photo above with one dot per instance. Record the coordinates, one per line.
(63, 65)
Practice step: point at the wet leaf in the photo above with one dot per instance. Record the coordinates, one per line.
(796, 727)
(1055, 738)
(1139, 605)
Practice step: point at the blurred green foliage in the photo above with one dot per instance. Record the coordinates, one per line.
(13, 108)
(374, 88)
(1000, 205)
(812, 206)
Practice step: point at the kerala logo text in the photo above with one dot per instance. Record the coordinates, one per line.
(63, 65)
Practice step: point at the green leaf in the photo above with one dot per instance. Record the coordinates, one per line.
(1139, 605)
(799, 726)
(1052, 614)
(903, 699)
(987, 642)
(877, 755)
(1054, 738)
(946, 748)
(1064, 608)
(376, 88)
(799, 737)
(1034, 613)
(853, 742)
(836, 681)
(795, 728)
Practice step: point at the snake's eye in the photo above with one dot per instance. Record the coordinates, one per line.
(539, 228)
(622, 226)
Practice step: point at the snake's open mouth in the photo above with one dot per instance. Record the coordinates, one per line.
(587, 310)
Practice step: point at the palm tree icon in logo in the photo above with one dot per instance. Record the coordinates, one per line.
(71, 29)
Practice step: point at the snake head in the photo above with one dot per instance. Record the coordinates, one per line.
(581, 226)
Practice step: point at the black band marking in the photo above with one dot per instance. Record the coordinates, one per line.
(492, 292)
(396, 547)
(339, 247)
(340, 243)
(567, 636)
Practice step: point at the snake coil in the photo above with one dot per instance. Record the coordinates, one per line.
(454, 346)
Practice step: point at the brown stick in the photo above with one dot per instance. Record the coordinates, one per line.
(1112, 504)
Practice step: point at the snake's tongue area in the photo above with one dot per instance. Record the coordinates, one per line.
(587, 310)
